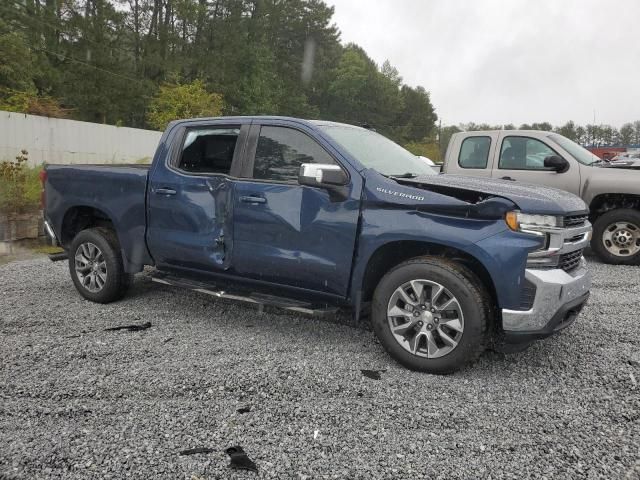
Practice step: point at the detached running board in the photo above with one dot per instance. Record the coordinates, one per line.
(58, 257)
(246, 296)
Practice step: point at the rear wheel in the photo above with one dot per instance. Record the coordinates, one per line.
(616, 237)
(431, 315)
(96, 266)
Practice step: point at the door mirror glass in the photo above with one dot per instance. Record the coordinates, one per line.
(557, 163)
(321, 175)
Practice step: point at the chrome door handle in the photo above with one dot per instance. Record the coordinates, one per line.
(251, 199)
(164, 191)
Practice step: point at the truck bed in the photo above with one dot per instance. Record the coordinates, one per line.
(118, 191)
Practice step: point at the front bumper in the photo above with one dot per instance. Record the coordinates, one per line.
(559, 298)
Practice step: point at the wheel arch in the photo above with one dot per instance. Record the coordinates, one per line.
(81, 217)
(390, 254)
(605, 202)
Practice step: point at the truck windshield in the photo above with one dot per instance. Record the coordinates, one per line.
(377, 152)
(581, 154)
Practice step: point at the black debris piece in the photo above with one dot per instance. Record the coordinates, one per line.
(195, 451)
(246, 409)
(372, 374)
(239, 459)
(131, 328)
(168, 340)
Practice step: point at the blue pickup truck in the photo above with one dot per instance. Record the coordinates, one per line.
(315, 215)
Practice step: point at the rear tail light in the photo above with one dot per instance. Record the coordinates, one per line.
(43, 179)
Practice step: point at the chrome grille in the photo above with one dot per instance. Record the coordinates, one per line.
(570, 261)
(575, 220)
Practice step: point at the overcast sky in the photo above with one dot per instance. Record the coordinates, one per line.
(516, 61)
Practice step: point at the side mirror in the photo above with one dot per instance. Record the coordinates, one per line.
(320, 175)
(556, 163)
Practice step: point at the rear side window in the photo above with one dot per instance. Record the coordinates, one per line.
(281, 151)
(209, 150)
(474, 152)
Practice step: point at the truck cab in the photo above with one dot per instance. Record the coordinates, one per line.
(612, 191)
(314, 215)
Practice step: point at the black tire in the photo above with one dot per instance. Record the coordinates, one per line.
(474, 301)
(606, 221)
(117, 280)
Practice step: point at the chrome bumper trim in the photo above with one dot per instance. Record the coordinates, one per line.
(51, 233)
(561, 240)
(554, 288)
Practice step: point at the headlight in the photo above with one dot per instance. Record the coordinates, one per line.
(518, 221)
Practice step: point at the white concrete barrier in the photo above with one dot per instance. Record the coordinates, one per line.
(53, 140)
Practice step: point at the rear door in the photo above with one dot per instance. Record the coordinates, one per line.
(190, 197)
(289, 234)
(521, 158)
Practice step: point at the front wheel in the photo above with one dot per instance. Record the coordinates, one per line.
(431, 315)
(96, 266)
(616, 237)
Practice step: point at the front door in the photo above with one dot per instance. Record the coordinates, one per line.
(190, 198)
(522, 159)
(289, 234)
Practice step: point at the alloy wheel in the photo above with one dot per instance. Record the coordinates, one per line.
(425, 318)
(91, 267)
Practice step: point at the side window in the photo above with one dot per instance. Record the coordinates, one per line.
(281, 151)
(474, 152)
(209, 150)
(522, 153)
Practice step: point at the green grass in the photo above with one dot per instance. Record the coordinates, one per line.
(47, 249)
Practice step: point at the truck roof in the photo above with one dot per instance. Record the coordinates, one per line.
(310, 122)
(517, 132)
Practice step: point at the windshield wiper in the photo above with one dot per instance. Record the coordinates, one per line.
(405, 175)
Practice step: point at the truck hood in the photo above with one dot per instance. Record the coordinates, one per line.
(529, 198)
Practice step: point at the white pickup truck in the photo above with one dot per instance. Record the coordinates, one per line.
(612, 191)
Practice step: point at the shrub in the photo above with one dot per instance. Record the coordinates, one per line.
(19, 186)
(30, 102)
(426, 149)
(182, 100)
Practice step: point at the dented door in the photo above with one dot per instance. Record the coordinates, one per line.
(190, 199)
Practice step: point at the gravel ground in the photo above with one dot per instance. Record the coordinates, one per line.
(80, 402)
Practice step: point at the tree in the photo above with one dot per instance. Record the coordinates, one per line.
(626, 134)
(544, 126)
(417, 117)
(175, 100)
(568, 130)
(16, 62)
(348, 88)
(445, 136)
(636, 133)
(103, 60)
